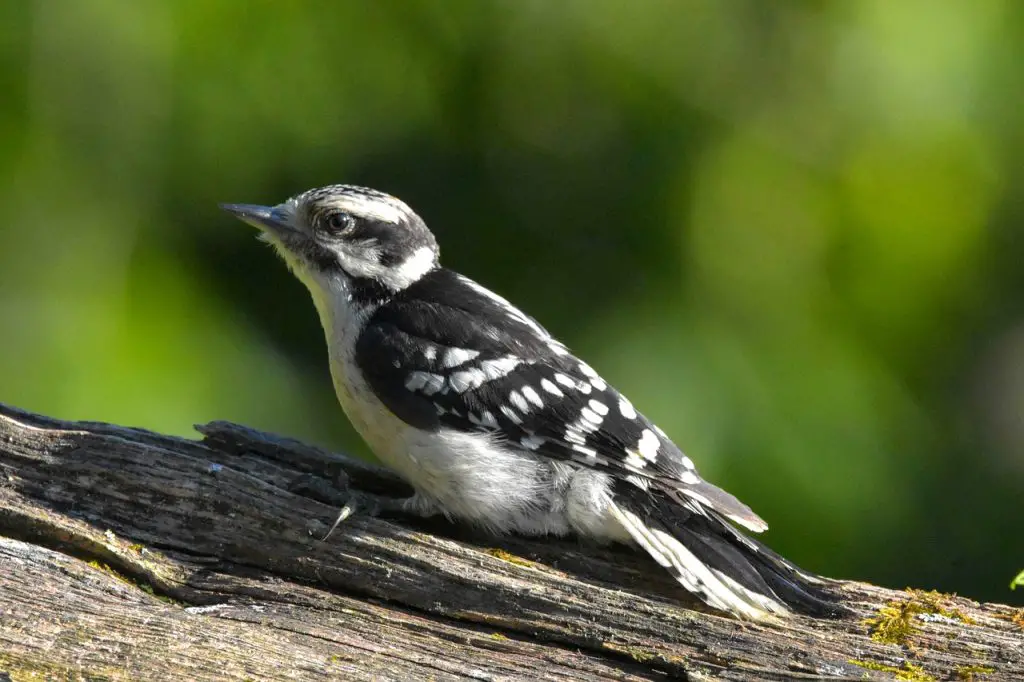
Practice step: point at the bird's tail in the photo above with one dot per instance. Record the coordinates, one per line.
(726, 569)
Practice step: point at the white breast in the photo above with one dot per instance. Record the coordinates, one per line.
(469, 475)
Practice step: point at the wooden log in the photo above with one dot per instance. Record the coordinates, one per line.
(129, 555)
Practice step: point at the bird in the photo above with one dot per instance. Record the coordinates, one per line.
(494, 422)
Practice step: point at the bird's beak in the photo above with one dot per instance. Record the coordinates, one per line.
(267, 218)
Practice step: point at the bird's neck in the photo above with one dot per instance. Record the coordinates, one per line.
(344, 305)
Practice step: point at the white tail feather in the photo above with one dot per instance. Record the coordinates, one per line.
(715, 589)
(765, 603)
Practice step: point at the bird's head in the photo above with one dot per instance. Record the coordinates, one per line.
(358, 237)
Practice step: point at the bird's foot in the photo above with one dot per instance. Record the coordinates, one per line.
(368, 504)
(355, 502)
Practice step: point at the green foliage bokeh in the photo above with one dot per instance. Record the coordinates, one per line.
(789, 231)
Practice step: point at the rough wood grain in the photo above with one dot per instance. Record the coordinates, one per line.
(128, 555)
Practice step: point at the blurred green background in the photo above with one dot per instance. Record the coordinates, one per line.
(789, 231)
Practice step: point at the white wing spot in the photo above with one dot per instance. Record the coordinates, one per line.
(648, 445)
(588, 371)
(532, 396)
(498, 367)
(591, 453)
(518, 401)
(453, 357)
(459, 382)
(598, 384)
(689, 478)
(434, 384)
(687, 462)
(598, 406)
(416, 380)
(512, 415)
(550, 387)
(589, 415)
(466, 380)
(430, 352)
(564, 380)
(584, 387)
(585, 426)
(626, 408)
(532, 442)
(572, 435)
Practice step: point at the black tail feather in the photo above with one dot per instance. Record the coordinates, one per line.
(729, 552)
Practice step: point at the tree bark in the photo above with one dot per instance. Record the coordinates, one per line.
(129, 555)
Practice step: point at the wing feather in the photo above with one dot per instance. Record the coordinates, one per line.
(447, 354)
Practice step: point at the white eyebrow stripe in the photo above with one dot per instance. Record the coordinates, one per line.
(384, 209)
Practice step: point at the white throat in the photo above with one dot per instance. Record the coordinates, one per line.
(341, 316)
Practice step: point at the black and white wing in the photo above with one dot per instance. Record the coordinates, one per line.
(447, 352)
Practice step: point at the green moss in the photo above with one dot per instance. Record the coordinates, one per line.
(511, 558)
(907, 671)
(897, 620)
(31, 668)
(969, 672)
(127, 580)
(636, 653)
(1016, 617)
(936, 602)
(148, 589)
(498, 637)
(105, 568)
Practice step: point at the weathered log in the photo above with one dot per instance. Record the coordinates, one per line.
(129, 555)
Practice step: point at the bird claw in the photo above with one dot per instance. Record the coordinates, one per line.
(353, 502)
(363, 503)
(345, 512)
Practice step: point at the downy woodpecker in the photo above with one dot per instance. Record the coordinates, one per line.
(493, 421)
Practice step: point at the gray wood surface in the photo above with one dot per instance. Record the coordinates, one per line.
(129, 555)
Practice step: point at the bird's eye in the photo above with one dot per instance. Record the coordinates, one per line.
(337, 223)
